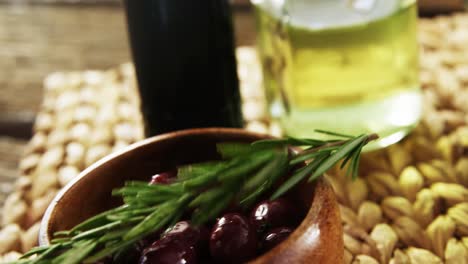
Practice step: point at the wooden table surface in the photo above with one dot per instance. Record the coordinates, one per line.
(38, 39)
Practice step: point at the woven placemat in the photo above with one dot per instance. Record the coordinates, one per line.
(410, 204)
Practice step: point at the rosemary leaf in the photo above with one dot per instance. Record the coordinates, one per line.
(45, 254)
(204, 179)
(341, 153)
(36, 250)
(132, 188)
(331, 133)
(355, 160)
(60, 240)
(79, 251)
(230, 150)
(108, 250)
(96, 231)
(146, 199)
(245, 165)
(308, 156)
(195, 170)
(278, 165)
(177, 217)
(345, 161)
(264, 179)
(298, 176)
(157, 219)
(207, 212)
(93, 222)
(113, 235)
(207, 197)
(270, 143)
(152, 222)
(316, 163)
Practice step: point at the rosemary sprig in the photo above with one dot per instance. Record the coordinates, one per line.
(246, 172)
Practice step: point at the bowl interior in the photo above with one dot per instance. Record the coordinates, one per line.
(90, 193)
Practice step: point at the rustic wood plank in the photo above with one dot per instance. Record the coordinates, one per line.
(93, 2)
(48, 38)
(45, 39)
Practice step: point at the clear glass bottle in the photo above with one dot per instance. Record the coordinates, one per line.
(348, 66)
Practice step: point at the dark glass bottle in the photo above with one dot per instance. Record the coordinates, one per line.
(183, 52)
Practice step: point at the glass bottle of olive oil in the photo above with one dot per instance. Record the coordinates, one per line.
(348, 66)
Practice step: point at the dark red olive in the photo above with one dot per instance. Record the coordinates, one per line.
(274, 237)
(184, 232)
(233, 239)
(163, 177)
(150, 239)
(169, 251)
(271, 214)
(203, 248)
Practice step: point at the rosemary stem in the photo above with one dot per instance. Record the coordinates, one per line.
(372, 137)
(324, 146)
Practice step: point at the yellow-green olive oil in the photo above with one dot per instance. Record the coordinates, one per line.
(356, 75)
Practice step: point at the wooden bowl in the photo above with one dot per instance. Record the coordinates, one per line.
(318, 239)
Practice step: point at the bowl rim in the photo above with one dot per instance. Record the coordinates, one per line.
(44, 238)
